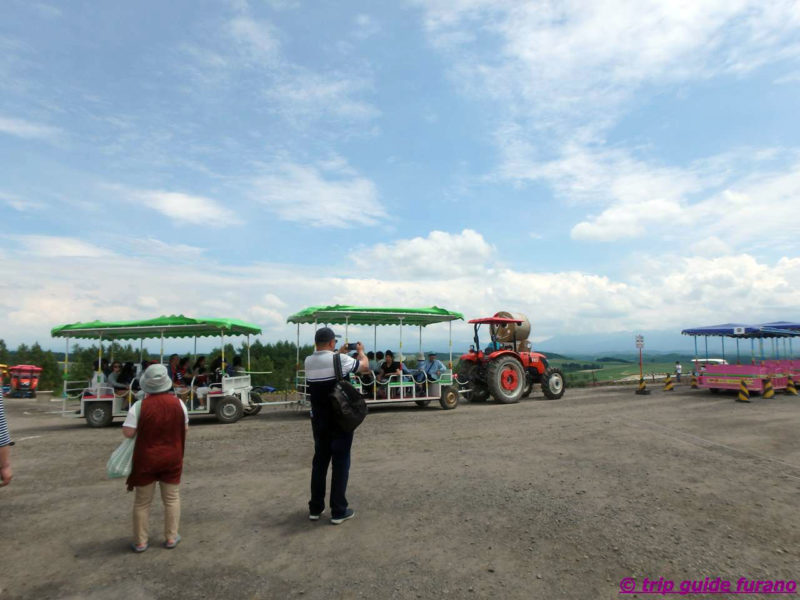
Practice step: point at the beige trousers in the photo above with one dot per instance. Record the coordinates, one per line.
(141, 511)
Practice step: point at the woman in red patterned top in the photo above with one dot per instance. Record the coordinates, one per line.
(160, 425)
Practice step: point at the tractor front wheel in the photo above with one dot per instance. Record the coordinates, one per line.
(506, 379)
(553, 383)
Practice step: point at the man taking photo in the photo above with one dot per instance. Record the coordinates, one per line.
(331, 444)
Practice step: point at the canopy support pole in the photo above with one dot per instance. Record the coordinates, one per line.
(738, 359)
(248, 352)
(723, 347)
(402, 390)
(706, 340)
(752, 351)
(450, 343)
(99, 353)
(420, 341)
(696, 370)
(346, 329)
(66, 376)
(375, 339)
(401, 345)
(298, 344)
(222, 344)
(761, 348)
(161, 358)
(194, 356)
(141, 352)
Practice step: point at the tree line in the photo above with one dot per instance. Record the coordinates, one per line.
(279, 358)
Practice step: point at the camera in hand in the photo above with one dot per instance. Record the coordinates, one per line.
(352, 346)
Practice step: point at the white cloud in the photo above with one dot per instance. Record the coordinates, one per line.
(578, 61)
(711, 247)
(255, 39)
(20, 204)
(302, 95)
(187, 209)
(154, 247)
(304, 194)
(27, 129)
(427, 258)
(48, 246)
(366, 26)
(66, 280)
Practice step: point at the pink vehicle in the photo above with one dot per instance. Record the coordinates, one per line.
(770, 357)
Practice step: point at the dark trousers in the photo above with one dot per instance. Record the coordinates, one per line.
(330, 447)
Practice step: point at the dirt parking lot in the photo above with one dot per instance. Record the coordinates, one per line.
(543, 499)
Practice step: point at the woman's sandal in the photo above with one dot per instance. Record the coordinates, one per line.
(175, 542)
(139, 549)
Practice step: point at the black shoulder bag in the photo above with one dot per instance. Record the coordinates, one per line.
(348, 403)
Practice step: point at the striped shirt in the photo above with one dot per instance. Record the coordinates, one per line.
(319, 366)
(5, 438)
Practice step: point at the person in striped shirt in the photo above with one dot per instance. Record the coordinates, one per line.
(5, 445)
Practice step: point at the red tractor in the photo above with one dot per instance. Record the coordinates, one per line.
(506, 369)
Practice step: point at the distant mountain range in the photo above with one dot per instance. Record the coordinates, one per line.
(624, 343)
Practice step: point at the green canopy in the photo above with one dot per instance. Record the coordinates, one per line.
(339, 314)
(172, 326)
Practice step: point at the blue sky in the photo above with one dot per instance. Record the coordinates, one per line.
(601, 167)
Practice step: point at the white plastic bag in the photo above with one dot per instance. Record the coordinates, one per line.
(121, 460)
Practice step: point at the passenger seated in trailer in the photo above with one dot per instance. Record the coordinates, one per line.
(120, 388)
(236, 367)
(199, 370)
(373, 364)
(215, 371)
(378, 362)
(431, 369)
(389, 367)
(172, 368)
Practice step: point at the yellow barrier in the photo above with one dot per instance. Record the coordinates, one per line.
(744, 393)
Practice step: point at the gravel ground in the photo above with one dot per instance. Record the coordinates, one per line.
(542, 499)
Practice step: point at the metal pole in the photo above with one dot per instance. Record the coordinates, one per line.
(141, 352)
(706, 340)
(420, 339)
(346, 328)
(222, 342)
(695, 354)
(298, 343)
(723, 347)
(752, 351)
(161, 358)
(738, 359)
(248, 352)
(194, 356)
(99, 352)
(450, 342)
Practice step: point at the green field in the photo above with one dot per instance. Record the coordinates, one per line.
(612, 371)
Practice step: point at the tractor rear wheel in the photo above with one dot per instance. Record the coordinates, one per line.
(229, 409)
(553, 383)
(506, 379)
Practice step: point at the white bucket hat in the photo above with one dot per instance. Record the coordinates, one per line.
(155, 380)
